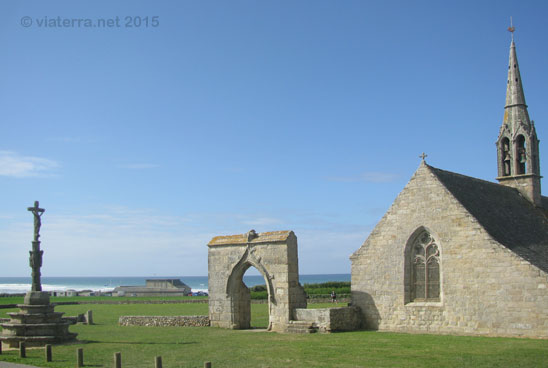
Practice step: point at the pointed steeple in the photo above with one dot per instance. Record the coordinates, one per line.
(515, 108)
(517, 145)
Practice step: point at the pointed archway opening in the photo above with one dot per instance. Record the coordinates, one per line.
(260, 311)
(244, 314)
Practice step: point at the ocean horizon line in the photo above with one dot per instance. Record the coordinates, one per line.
(17, 285)
(165, 276)
(160, 276)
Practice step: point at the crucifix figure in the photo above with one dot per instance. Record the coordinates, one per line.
(37, 212)
(35, 260)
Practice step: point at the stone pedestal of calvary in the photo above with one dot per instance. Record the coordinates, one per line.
(36, 323)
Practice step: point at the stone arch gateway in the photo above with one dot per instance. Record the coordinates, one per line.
(274, 255)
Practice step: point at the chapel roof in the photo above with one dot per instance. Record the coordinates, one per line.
(504, 213)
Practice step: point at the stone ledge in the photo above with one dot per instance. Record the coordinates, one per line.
(268, 237)
(164, 321)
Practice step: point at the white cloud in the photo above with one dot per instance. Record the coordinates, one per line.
(14, 165)
(117, 241)
(368, 177)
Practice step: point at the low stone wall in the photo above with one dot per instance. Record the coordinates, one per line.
(331, 319)
(115, 301)
(164, 321)
(8, 306)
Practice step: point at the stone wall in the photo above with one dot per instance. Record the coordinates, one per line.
(486, 289)
(331, 319)
(164, 321)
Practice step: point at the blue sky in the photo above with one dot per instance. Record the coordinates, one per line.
(142, 143)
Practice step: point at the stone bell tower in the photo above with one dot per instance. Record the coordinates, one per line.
(517, 144)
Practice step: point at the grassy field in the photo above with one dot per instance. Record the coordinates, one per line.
(191, 346)
(57, 299)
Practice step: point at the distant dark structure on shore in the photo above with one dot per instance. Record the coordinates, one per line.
(155, 287)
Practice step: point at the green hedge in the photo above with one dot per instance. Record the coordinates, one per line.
(344, 290)
(259, 295)
(321, 290)
(328, 285)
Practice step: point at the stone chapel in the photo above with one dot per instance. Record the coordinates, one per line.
(460, 255)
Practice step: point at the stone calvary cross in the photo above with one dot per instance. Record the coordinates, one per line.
(37, 212)
(36, 323)
(35, 259)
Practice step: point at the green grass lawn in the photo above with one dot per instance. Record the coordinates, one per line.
(84, 299)
(191, 346)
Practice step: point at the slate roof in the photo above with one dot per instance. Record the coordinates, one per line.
(504, 213)
(273, 236)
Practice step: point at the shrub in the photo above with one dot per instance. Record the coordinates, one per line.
(259, 294)
(328, 285)
(321, 290)
(258, 288)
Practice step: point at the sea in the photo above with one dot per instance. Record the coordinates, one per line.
(18, 285)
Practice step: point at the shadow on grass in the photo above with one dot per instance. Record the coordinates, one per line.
(137, 342)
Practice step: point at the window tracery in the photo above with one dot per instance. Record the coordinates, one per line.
(425, 258)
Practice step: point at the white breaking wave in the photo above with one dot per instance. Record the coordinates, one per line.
(23, 288)
(198, 290)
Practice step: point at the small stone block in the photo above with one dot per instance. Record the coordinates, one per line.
(80, 357)
(88, 317)
(22, 350)
(117, 360)
(48, 353)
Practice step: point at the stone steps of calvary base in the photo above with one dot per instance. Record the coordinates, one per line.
(301, 327)
(37, 318)
(36, 323)
(30, 341)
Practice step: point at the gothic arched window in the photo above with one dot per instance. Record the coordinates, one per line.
(425, 269)
(521, 155)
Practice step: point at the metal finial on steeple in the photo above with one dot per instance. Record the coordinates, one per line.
(423, 156)
(511, 29)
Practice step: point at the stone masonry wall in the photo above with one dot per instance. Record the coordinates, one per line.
(164, 321)
(486, 289)
(331, 319)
